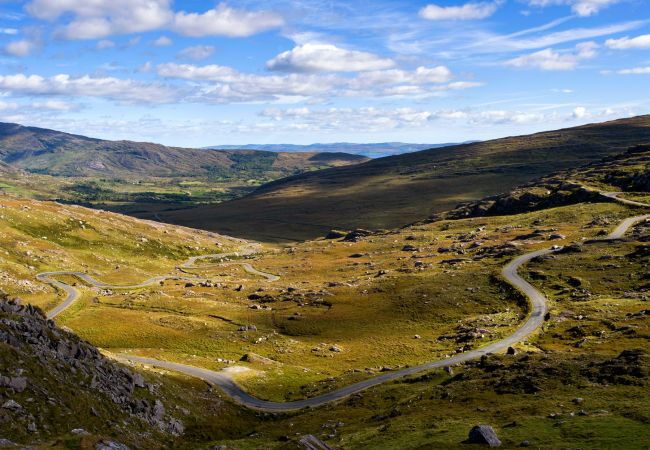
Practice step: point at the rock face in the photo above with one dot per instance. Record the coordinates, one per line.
(484, 434)
(38, 360)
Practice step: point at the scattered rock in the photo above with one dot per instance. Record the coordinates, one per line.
(12, 405)
(255, 358)
(110, 445)
(336, 234)
(484, 434)
(138, 380)
(511, 351)
(357, 235)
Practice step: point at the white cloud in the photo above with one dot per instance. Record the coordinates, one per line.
(9, 31)
(210, 72)
(635, 71)
(197, 52)
(582, 8)
(626, 42)
(225, 84)
(162, 41)
(55, 105)
(590, 7)
(225, 21)
(421, 75)
(104, 44)
(580, 112)
(550, 59)
(85, 86)
(20, 48)
(6, 106)
(370, 119)
(468, 11)
(97, 19)
(327, 58)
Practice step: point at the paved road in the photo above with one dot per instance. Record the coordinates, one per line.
(534, 321)
(73, 293)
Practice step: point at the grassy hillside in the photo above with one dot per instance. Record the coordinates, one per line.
(382, 304)
(62, 154)
(139, 178)
(345, 310)
(627, 172)
(389, 192)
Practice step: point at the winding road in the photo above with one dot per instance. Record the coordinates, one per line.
(533, 322)
(191, 264)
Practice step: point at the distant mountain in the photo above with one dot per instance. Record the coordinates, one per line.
(370, 150)
(40, 150)
(396, 190)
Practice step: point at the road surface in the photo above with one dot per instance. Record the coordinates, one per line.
(73, 294)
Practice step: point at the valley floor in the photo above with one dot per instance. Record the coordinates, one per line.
(346, 311)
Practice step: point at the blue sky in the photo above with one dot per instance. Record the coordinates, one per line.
(197, 73)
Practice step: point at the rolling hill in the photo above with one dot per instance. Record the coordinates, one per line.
(56, 153)
(392, 191)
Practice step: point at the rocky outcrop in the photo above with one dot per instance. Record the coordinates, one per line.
(629, 172)
(40, 361)
(543, 194)
(485, 435)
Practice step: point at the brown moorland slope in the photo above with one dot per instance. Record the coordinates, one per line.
(392, 191)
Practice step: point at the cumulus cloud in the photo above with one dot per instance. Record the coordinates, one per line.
(225, 21)
(20, 48)
(635, 71)
(626, 42)
(55, 105)
(162, 41)
(327, 58)
(580, 112)
(197, 52)
(550, 59)
(98, 19)
(101, 18)
(468, 11)
(382, 119)
(7, 106)
(590, 7)
(86, 86)
(224, 84)
(582, 8)
(104, 44)
(421, 75)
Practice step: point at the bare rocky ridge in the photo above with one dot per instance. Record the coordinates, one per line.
(47, 372)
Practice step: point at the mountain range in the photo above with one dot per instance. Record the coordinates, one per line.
(376, 150)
